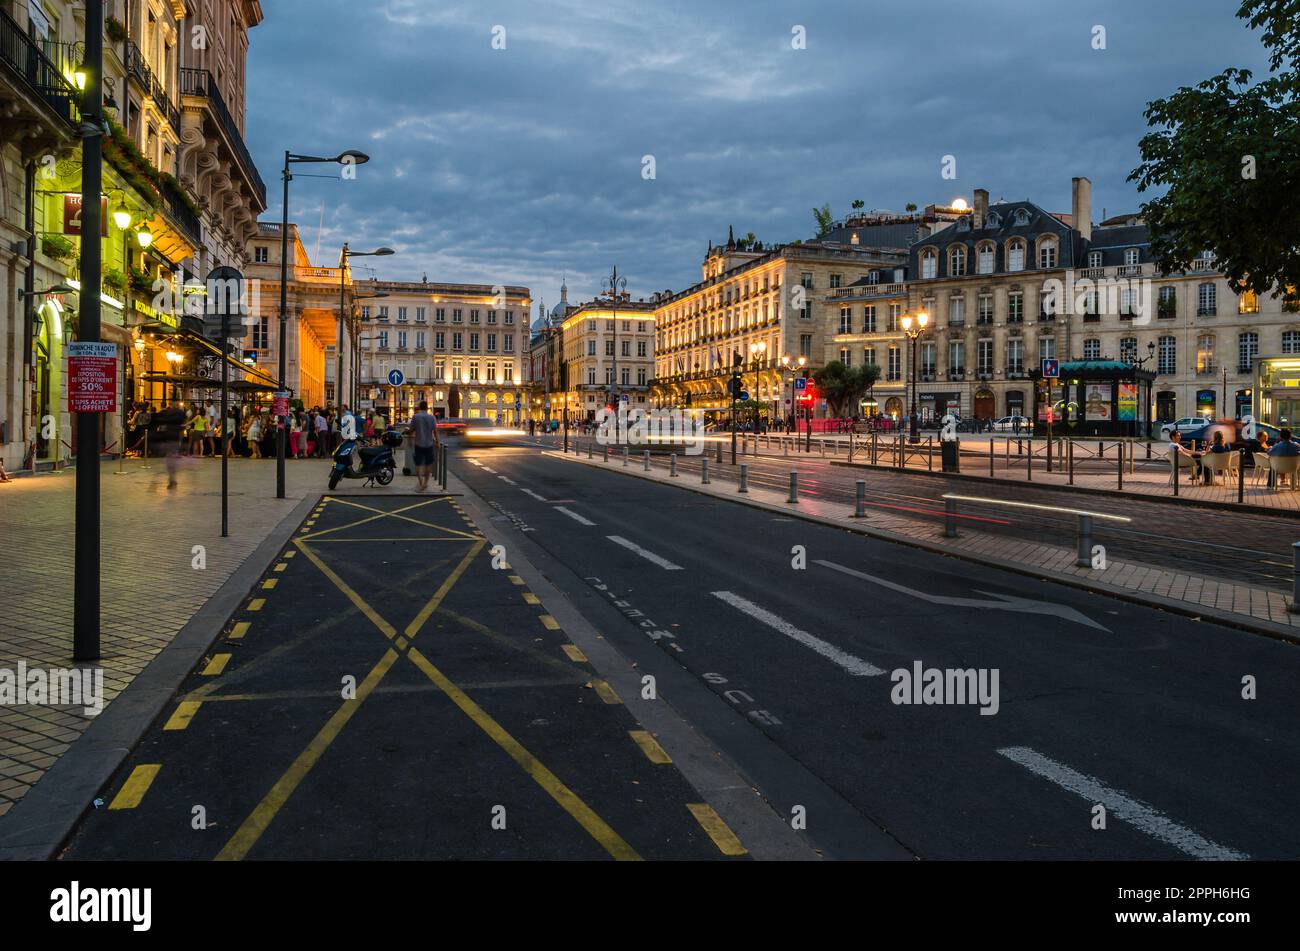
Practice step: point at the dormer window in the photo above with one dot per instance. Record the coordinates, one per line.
(1131, 257)
(1022, 217)
(1047, 254)
(929, 264)
(957, 261)
(1016, 256)
(1094, 259)
(993, 220)
(985, 264)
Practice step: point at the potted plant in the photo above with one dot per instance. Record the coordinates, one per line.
(58, 247)
(113, 280)
(114, 29)
(141, 281)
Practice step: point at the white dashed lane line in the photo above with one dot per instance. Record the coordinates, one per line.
(853, 665)
(650, 556)
(1136, 813)
(574, 515)
(530, 492)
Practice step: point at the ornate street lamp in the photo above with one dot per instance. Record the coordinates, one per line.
(922, 319)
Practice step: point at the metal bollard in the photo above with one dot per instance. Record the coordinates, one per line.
(991, 450)
(875, 447)
(1084, 558)
(1029, 461)
(647, 460)
(625, 455)
(1120, 447)
(590, 442)
(704, 471)
(1069, 461)
(794, 487)
(672, 465)
(743, 484)
(607, 453)
(1294, 606)
(719, 453)
(949, 518)
(860, 505)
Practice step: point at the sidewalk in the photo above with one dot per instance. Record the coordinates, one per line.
(1010, 463)
(1239, 605)
(151, 585)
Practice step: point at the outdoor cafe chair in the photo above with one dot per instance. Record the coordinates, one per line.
(1283, 466)
(1185, 461)
(1216, 462)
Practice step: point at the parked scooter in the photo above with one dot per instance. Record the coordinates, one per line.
(376, 463)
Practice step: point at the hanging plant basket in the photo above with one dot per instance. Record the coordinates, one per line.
(58, 247)
(114, 29)
(113, 280)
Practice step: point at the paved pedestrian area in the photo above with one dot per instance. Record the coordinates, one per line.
(162, 558)
(393, 689)
(1247, 604)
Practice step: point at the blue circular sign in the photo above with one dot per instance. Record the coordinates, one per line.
(396, 378)
(744, 396)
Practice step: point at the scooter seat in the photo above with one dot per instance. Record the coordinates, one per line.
(373, 452)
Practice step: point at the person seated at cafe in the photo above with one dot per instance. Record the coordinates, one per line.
(1176, 448)
(1285, 446)
(1218, 444)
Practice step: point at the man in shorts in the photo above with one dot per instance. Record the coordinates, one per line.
(423, 431)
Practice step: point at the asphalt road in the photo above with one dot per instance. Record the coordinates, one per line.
(392, 690)
(1099, 702)
(1241, 546)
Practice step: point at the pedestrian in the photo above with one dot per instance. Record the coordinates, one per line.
(198, 433)
(423, 430)
(254, 436)
(322, 434)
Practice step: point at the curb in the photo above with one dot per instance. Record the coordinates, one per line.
(50, 810)
(1199, 612)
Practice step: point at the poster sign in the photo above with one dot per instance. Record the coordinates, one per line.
(72, 215)
(281, 405)
(92, 377)
(1097, 403)
(1128, 402)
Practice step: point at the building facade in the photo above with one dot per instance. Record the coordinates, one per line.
(459, 347)
(606, 356)
(180, 196)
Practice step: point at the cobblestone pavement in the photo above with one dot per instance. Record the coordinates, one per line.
(149, 590)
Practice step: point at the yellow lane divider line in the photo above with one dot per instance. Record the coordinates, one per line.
(530, 598)
(239, 630)
(575, 653)
(650, 746)
(269, 583)
(606, 692)
(216, 665)
(136, 785)
(183, 714)
(256, 604)
(717, 830)
(549, 622)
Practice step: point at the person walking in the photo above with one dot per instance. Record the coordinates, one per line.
(322, 434)
(254, 437)
(423, 430)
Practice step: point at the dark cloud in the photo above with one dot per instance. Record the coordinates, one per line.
(523, 164)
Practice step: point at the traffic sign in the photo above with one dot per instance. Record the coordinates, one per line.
(800, 382)
(744, 396)
(92, 377)
(396, 377)
(622, 398)
(1051, 368)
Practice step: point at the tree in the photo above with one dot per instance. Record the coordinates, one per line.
(1225, 149)
(911, 206)
(858, 203)
(842, 386)
(824, 220)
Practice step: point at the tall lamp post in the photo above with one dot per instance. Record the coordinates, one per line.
(86, 554)
(757, 352)
(922, 319)
(356, 345)
(343, 286)
(789, 367)
(617, 291)
(350, 157)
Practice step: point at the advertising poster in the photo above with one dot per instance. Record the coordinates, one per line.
(1128, 402)
(1097, 403)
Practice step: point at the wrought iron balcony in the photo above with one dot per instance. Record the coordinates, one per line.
(199, 82)
(22, 54)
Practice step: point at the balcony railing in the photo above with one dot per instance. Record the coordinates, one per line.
(199, 82)
(21, 53)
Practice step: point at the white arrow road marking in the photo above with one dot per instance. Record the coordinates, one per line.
(663, 563)
(533, 494)
(1133, 811)
(574, 515)
(854, 665)
(1005, 602)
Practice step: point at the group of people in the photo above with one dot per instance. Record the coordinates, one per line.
(1258, 445)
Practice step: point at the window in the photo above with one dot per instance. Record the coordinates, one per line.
(984, 356)
(473, 341)
(261, 334)
(1094, 259)
(1291, 341)
(365, 312)
(383, 313)
(895, 313)
(956, 357)
(805, 345)
(1205, 353)
(626, 348)
(421, 315)
(894, 371)
(929, 264)
(473, 316)
(835, 282)
(492, 316)
(1247, 351)
(869, 319)
(382, 337)
(640, 326)
(473, 371)
(440, 315)
(1046, 348)
(1167, 303)
(492, 343)
(929, 358)
(641, 348)
(846, 356)
(609, 348)
(956, 310)
(1016, 307)
(1128, 349)
(455, 371)
(985, 313)
(508, 373)
(401, 315)
(624, 376)
(1016, 256)
(491, 376)
(510, 319)
(509, 342)
(591, 376)
(1248, 303)
(401, 340)
(1090, 314)
(1015, 356)
(868, 356)
(806, 279)
(1167, 354)
(261, 254)
(1047, 255)
(1092, 349)
(457, 341)
(457, 315)
(1127, 302)
(985, 265)
(1131, 257)
(957, 261)
(846, 320)
(1207, 300)
(591, 348)
(440, 370)
(440, 341)
(419, 340)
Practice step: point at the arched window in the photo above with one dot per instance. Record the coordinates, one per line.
(957, 260)
(1131, 257)
(1022, 217)
(986, 257)
(1047, 253)
(929, 264)
(1094, 259)
(1248, 303)
(1016, 256)
(993, 219)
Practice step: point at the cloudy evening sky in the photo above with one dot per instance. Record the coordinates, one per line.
(522, 164)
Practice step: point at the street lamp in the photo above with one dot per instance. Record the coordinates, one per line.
(617, 291)
(343, 278)
(350, 157)
(757, 351)
(356, 344)
(922, 319)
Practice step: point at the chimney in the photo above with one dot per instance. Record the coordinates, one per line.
(1081, 207)
(981, 207)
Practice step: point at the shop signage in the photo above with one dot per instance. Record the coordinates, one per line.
(160, 316)
(72, 215)
(92, 377)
